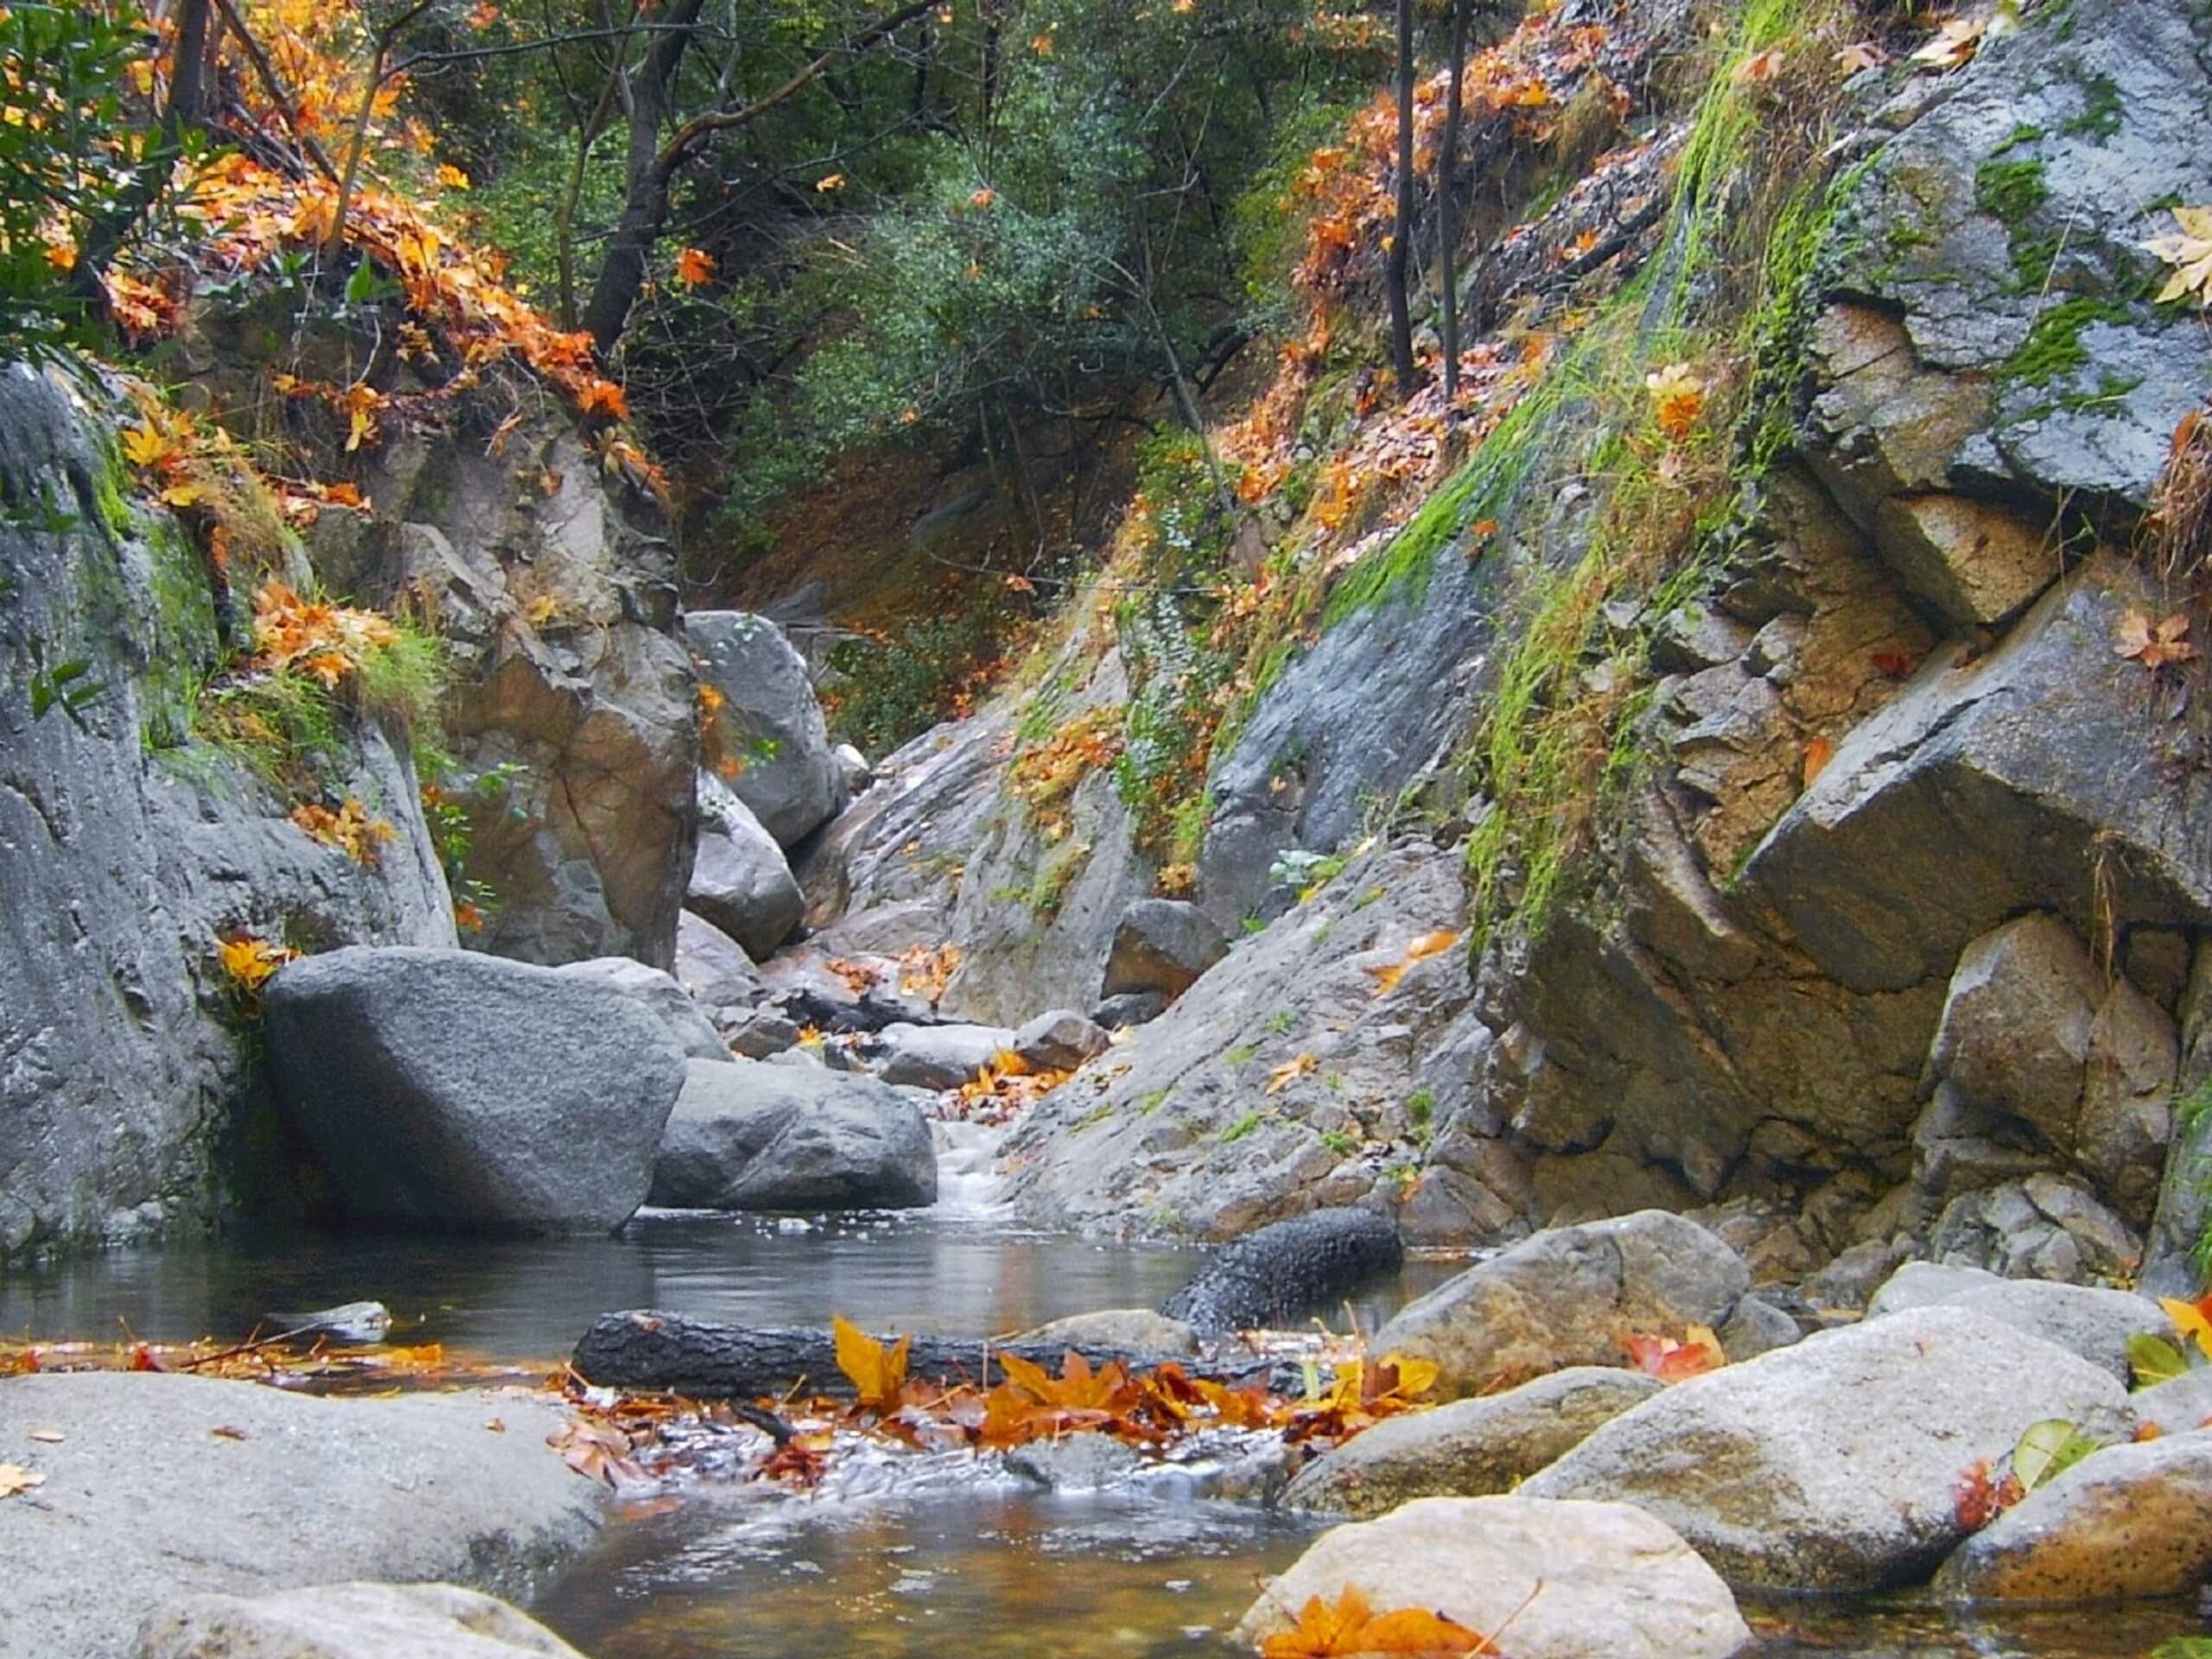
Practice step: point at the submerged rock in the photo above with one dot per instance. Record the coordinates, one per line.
(1075, 1463)
(1613, 1580)
(447, 1089)
(1471, 1448)
(351, 1322)
(350, 1621)
(753, 1135)
(1568, 1296)
(1834, 1464)
(163, 1487)
(1282, 1271)
(2126, 1521)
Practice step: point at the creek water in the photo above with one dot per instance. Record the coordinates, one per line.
(942, 1557)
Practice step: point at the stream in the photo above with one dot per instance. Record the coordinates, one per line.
(943, 1557)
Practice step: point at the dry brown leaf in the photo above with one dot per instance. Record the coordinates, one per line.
(1290, 1071)
(2154, 645)
(14, 1479)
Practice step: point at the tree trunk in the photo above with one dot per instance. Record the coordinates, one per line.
(1401, 229)
(1447, 227)
(649, 175)
(705, 1360)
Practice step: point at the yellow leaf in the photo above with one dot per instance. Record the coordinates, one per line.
(147, 446)
(1431, 944)
(14, 1479)
(452, 177)
(2190, 1319)
(876, 1373)
(1290, 1071)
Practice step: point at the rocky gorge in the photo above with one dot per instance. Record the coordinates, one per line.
(1693, 891)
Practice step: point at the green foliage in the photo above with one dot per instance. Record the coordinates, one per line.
(2053, 349)
(1243, 1126)
(2153, 1360)
(894, 689)
(1338, 1142)
(67, 154)
(2048, 1449)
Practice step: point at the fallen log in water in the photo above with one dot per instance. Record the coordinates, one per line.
(1269, 1277)
(704, 1360)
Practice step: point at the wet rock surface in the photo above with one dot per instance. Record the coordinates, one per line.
(1569, 1297)
(349, 1621)
(144, 1501)
(1834, 1464)
(1615, 1579)
(1469, 1448)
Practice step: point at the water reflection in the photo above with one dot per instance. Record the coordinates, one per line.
(961, 1575)
(528, 1299)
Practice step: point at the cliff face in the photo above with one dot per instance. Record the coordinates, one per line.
(1878, 918)
(130, 848)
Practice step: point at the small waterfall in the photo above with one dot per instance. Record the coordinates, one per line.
(967, 1183)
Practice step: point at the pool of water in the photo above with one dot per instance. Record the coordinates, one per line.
(528, 1299)
(947, 1559)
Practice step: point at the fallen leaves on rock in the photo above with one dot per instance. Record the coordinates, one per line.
(14, 1479)
(1297, 1066)
(2190, 252)
(1349, 1626)
(2154, 644)
(1671, 1361)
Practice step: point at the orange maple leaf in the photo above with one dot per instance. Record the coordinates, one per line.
(603, 398)
(693, 267)
(1349, 1626)
(2154, 645)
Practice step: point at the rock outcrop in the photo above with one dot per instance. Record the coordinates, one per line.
(573, 709)
(767, 739)
(130, 847)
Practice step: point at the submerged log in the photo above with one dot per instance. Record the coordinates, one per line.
(704, 1360)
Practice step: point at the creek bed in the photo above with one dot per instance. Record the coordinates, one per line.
(956, 1562)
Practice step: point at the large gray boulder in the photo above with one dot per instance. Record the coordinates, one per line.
(2085, 1321)
(1834, 1464)
(1471, 1448)
(659, 994)
(1162, 944)
(349, 1621)
(2015, 1032)
(936, 1057)
(1614, 1581)
(447, 1089)
(740, 880)
(1569, 1296)
(2126, 1521)
(161, 1486)
(774, 745)
(752, 1136)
